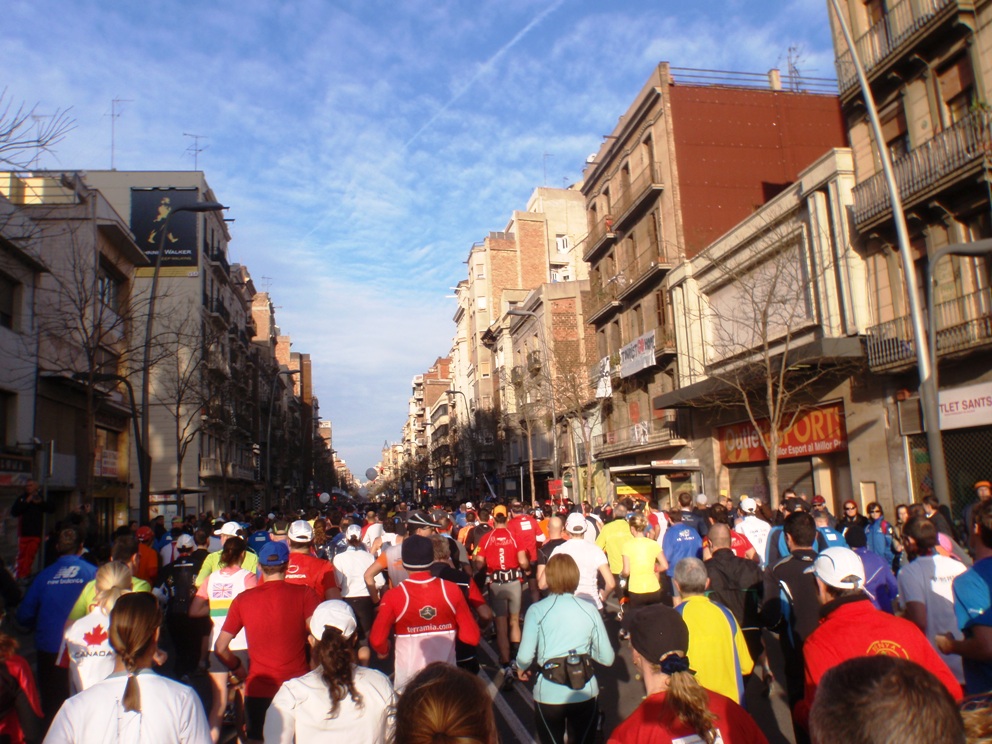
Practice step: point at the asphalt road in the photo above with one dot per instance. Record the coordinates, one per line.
(621, 693)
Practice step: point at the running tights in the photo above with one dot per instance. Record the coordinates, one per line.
(580, 718)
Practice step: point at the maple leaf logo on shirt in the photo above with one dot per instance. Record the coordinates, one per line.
(95, 637)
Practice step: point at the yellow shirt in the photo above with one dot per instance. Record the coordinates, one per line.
(611, 540)
(717, 650)
(212, 562)
(82, 606)
(642, 552)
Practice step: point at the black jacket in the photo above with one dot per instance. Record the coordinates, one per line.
(792, 606)
(736, 583)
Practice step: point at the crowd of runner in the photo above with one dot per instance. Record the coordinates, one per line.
(366, 622)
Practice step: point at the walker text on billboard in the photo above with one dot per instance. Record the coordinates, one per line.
(816, 432)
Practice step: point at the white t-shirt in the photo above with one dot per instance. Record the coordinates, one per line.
(588, 557)
(928, 580)
(349, 572)
(171, 713)
(299, 711)
(374, 531)
(756, 530)
(87, 644)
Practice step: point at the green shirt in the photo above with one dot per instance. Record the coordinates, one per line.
(212, 562)
(82, 606)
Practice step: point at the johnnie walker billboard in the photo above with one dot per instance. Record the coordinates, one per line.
(149, 210)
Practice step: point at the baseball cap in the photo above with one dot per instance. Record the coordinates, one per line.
(354, 530)
(418, 520)
(499, 509)
(272, 515)
(177, 520)
(702, 499)
(657, 630)
(145, 533)
(575, 524)
(840, 568)
(748, 505)
(983, 484)
(273, 553)
(300, 531)
(333, 613)
(469, 505)
(818, 500)
(185, 542)
(230, 529)
(795, 504)
(417, 552)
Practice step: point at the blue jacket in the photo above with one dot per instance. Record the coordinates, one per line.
(879, 535)
(50, 598)
(681, 541)
(833, 537)
(880, 582)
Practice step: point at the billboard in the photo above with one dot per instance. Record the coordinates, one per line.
(149, 210)
(816, 432)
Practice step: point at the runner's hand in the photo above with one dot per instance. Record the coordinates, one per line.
(523, 675)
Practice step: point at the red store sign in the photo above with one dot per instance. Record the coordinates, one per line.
(817, 432)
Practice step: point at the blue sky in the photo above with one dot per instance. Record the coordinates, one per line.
(364, 145)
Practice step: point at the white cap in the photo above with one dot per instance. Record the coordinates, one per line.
(300, 531)
(335, 613)
(185, 542)
(354, 530)
(272, 515)
(468, 505)
(230, 529)
(701, 499)
(748, 505)
(840, 568)
(575, 523)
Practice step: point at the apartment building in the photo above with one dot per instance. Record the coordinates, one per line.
(693, 155)
(68, 272)
(427, 458)
(929, 67)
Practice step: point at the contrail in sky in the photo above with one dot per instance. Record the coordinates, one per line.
(487, 66)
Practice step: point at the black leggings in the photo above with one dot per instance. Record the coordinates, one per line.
(580, 718)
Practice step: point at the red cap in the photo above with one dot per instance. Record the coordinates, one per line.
(145, 534)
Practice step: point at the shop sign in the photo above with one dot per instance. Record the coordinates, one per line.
(684, 462)
(14, 470)
(817, 432)
(966, 406)
(554, 487)
(634, 489)
(637, 355)
(105, 463)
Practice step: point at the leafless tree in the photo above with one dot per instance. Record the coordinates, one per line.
(25, 134)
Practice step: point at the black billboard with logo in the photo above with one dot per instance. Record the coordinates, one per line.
(149, 210)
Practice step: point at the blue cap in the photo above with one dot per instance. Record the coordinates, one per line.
(273, 554)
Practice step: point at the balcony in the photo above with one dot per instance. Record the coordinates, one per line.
(600, 235)
(215, 256)
(963, 324)
(896, 36)
(216, 309)
(945, 159)
(643, 270)
(534, 362)
(635, 192)
(664, 342)
(604, 297)
(661, 432)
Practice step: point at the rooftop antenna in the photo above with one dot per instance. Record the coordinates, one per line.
(793, 57)
(267, 283)
(114, 114)
(38, 118)
(195, 148)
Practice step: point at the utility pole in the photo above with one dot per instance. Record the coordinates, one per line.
(114, 114)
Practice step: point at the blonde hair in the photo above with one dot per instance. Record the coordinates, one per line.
(112, 580)
(690, 702)
(638, 523)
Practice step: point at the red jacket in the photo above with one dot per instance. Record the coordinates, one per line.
(852, 627)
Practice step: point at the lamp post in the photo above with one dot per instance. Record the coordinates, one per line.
(268, 427)
(517, 312)
(925, 368)
(145, 464)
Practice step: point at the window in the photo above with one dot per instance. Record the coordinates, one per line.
(480, 303)
(957, 89)
(8, 293)
(894, 132)
(109, 289)
(637, 322)
(563, 243)
(659, 306)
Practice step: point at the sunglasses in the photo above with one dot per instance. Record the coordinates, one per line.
(875, 511)
(850, 508)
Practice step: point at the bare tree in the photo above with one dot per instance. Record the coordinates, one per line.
(25, 134)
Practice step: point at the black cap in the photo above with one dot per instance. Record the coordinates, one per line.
(417, 552)
(657, 630)
(418, 520)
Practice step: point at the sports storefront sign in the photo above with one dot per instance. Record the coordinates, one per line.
(819, 431)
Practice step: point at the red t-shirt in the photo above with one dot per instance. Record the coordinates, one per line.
(311, 571)
(525, 530)
(738, 543)
(500, 549)
(654, 723)
(274, 616)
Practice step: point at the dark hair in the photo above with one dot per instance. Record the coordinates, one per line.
(801, 527)
(443, 704)
(982, 518)
(855, 536)
(69, 541)
(685, 499)
(876, 699)
(718, 513)
(134, 622)
(931, 500)
(232, 552)
(124, 548)
(336, 656)
(923, 532)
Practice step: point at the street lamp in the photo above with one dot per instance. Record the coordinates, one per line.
(517, 312)
(145, 463)
(924, 364)
(139, 443)
(268, 427)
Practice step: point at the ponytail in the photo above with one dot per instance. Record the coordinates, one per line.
(336, 656)
(134, 622)
(688, 700)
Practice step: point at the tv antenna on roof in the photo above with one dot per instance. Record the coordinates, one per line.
(114, 115)
(195, 148)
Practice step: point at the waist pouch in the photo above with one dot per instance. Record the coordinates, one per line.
(575, 676)
(505, 577)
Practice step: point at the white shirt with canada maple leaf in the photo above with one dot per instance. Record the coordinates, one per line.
(87, 650)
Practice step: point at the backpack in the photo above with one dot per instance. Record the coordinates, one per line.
(180, 587)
